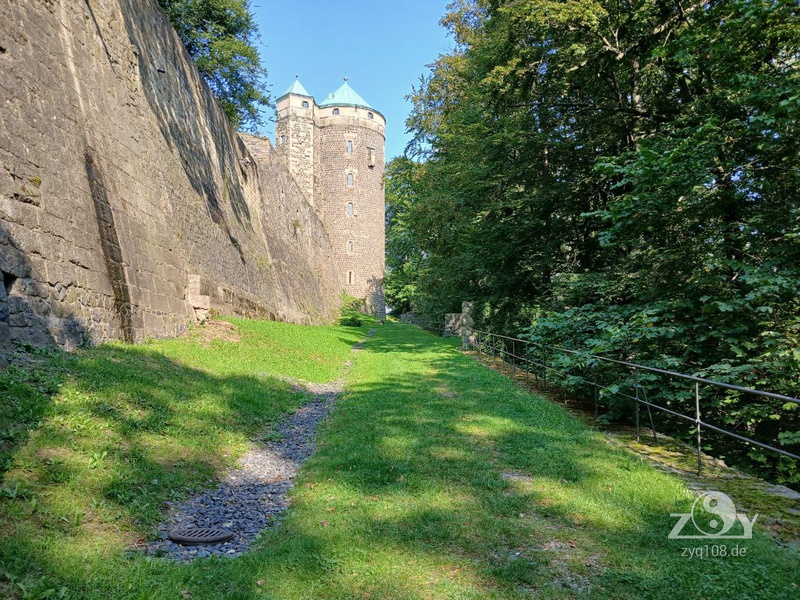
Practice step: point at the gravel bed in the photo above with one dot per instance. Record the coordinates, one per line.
(250, 498)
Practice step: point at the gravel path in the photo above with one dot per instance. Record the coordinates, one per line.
(251, 497)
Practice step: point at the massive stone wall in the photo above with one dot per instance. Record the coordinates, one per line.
(126, 199)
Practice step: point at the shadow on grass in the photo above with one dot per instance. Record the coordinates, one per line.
(471, 469)
(436, 478)
(128, 430)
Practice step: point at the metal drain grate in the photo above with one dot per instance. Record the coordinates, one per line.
(198, 536)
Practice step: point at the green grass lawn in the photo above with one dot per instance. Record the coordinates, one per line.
(435, 478)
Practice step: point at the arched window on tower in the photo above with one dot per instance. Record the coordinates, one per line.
(335, 111)
(349, 146)
(305, 104)
(349, 180)
(349, 246)
(350, 209)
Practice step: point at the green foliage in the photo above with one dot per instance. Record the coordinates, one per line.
(351, 311)
(610, 172)
(351, 321)
(221, 35)
(403, 256)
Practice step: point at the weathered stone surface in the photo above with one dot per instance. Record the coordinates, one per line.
(336, 154)
(453, 322)
(360, 268)
(122, 186)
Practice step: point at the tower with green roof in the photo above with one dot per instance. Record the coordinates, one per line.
(335, 150)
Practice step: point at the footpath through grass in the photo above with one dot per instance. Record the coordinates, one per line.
(435, 478)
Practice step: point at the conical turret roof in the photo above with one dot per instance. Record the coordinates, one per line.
(297, 89)
(345, 96)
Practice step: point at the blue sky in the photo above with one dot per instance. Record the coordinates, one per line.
(381, 45)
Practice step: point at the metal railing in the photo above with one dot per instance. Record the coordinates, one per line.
(518, 354)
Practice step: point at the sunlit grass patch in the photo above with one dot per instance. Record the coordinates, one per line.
(131, 427)
(433, 478)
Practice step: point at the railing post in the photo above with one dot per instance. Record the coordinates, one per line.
(527, 364)
(697, 426)
(649, 414)
(544, 369)
(513, 356)
(636, 400)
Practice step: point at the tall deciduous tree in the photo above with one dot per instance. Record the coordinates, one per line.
(220, 35)
(621, 175)
(403, 255)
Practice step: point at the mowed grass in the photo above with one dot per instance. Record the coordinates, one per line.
(434, 478)
(86, 473)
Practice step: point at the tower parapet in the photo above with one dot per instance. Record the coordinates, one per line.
(336, 150)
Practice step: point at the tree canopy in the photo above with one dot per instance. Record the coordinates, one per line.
(220, 35)
(620, 176)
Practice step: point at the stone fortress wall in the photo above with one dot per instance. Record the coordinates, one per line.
(127, 202)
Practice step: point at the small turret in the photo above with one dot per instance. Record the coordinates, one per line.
(294, 136)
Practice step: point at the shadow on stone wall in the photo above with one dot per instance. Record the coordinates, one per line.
(111, 247)
(31, 311)
(184, 127)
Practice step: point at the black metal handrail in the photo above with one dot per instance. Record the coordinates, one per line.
(485, 340)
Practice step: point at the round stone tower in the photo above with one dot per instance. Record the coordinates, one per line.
(344, 151)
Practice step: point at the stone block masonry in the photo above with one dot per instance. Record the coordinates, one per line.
(127, 202)
(358, 238)
(336, 153)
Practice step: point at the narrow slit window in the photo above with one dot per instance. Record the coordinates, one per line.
(350, 209)
(371, 157)
(283, 140)
(349, 146)
(350, 246)
(349, 180)
(350, 277)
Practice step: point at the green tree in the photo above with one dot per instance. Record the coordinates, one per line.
(403, 256)
(220, 35)
(622, 176)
